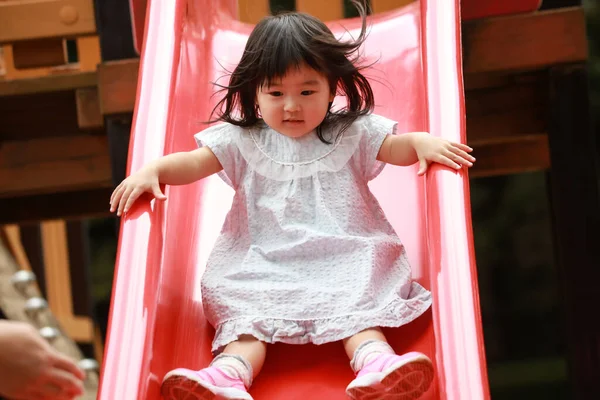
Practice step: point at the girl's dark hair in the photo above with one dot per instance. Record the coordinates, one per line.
(280, 42)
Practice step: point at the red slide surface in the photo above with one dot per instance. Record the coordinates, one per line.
(157, 322)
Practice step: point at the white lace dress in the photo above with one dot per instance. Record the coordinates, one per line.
(306, 254)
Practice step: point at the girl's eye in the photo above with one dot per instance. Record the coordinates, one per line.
(276, 94)
(307, 92)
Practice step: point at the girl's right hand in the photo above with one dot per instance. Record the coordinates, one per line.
(143, 181)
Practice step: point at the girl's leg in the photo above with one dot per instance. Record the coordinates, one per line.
(251, 349)
(352, 343)
(381, 374)
(229, 375)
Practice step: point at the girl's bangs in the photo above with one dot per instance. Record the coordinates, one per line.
(279, 56)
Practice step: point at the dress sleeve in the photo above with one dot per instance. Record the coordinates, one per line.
(375, 129)
(222, 140)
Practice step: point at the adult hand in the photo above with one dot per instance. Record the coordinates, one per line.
(30, 369)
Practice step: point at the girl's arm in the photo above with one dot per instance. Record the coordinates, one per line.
(174, 169)
(408, 148)
(186, 167)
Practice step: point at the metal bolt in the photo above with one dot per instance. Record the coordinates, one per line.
(22, 281)
(89, 365)
(68, 15)
(34, 306)
(91, 368)
(50, 333)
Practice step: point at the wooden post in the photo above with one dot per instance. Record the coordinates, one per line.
(88, 49)
(13, 238)
(58, 277)
(574, 181)
(115, 29)
(89, 115)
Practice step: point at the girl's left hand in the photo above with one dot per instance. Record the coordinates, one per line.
(433, 149)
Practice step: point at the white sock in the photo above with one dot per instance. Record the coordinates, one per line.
(235, 366)
(367, 351)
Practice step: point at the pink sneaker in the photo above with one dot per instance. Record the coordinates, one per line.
(207, 384)
(390, 376)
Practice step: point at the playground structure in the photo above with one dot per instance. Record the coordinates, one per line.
(164, 249)
(502, 72)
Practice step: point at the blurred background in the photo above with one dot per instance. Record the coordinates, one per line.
(68, 75)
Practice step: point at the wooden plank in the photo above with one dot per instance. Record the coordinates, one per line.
(117, 85)
(25, 20)
(508, 111)
(252, 11)
(88, 49)
(487, 80)
(517, 95)
(324, 10)
(55, 115)
(13, 73)
(471, 9)
(510, 155)
(54, 165)
(506, 124)
(525, 42)
(388, 5)
(66, 205)
(88, 108)
(51, 83)
(38, 53)
(507, 92)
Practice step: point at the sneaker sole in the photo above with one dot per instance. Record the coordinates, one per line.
(406, 381)
(181, 386)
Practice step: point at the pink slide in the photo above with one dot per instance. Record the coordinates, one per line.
(157, 322)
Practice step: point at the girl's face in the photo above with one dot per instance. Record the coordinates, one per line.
(297, 103)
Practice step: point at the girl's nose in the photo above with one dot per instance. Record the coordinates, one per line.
(291, 105)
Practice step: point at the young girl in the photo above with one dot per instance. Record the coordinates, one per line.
(306, 254)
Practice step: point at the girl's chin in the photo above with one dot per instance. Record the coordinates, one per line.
(294, 129)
